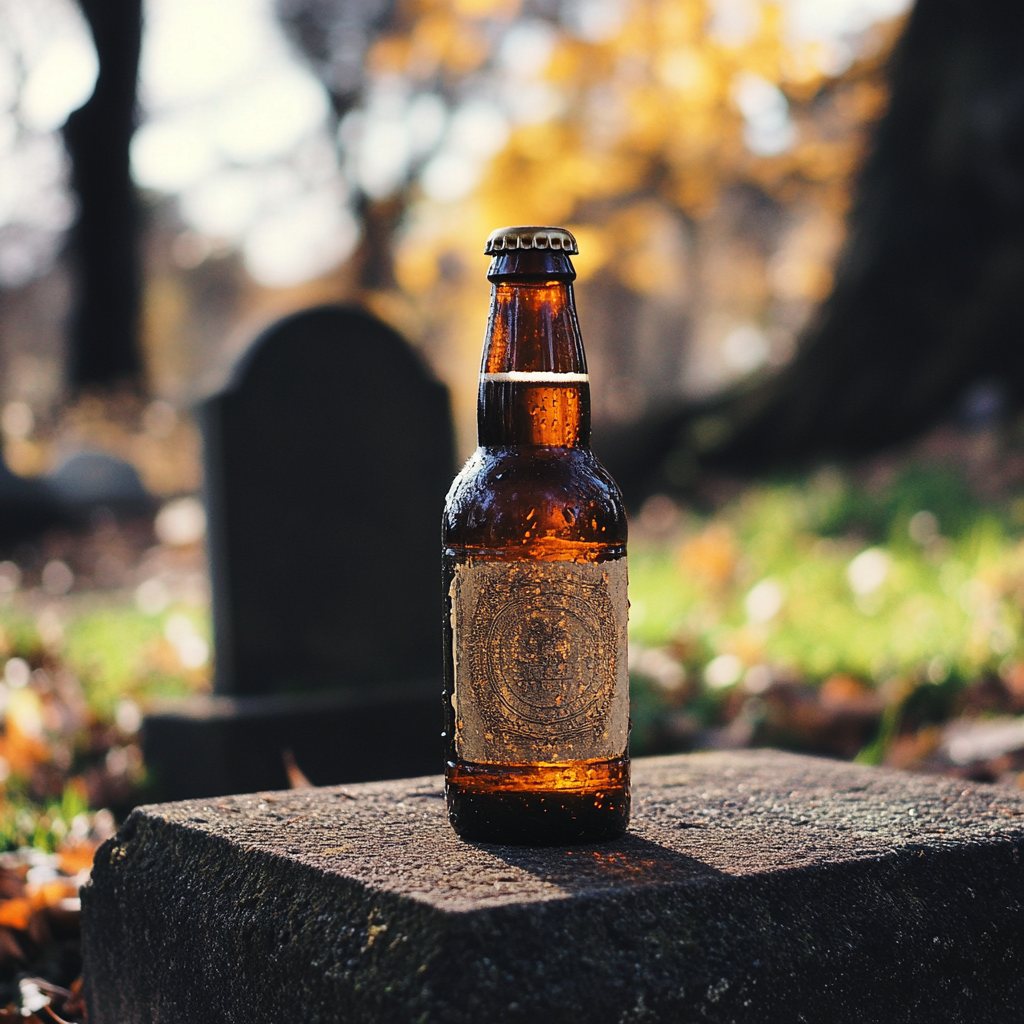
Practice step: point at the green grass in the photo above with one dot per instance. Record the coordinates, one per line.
(96, 663)
(940, 601)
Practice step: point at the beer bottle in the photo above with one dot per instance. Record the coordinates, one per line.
(534, 539)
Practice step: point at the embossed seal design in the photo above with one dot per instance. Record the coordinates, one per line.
(540, 661)
(547, 656)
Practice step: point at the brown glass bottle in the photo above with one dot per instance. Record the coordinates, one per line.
(534, 538)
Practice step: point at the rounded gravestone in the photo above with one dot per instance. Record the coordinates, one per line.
(96, 479)
(328, 457)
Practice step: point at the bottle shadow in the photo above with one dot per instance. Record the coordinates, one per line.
(624, 863)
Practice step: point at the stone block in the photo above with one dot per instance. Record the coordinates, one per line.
(208, 746)
(753, 886)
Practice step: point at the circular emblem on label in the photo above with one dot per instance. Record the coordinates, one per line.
(547, 648)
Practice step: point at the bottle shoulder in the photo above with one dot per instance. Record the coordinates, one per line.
(534, 499)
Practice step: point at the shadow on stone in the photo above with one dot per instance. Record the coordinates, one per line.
(627, 861)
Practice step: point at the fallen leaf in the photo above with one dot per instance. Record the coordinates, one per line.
(15, 913)
(49, 894)
(296, 778)
(75, 1006)
(75, 857)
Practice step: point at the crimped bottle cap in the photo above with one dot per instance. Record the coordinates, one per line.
(530, 237)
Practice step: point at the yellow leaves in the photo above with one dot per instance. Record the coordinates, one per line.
(486, 8)
(765, 54)
(465, 52)
(642, 150)
(580, 65)
(686, 71)
(651, 121)
(416, 269)
(437, 40)
(551, 173)
(695, 191)
(803, 69)
(681, 22)
(389, 55)
(595, 249)
(647, 241)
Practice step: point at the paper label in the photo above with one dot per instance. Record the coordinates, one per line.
(540, 661)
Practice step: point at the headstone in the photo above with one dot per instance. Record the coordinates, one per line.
(752, 886)
(207, 746)
(90, 480)
(327, 460)
(70, 495)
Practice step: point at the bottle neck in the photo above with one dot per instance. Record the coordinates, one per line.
(534, 388)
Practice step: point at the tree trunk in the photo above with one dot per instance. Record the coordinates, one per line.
(104, 240)
(929, 293)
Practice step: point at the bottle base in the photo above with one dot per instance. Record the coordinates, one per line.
(539, 805)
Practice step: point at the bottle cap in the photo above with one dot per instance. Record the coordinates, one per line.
(530, 237)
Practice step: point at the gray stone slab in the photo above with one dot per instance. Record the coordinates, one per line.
(215, 744)
(753, 886)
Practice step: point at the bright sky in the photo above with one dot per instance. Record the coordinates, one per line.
(47, 69)
(240, 130)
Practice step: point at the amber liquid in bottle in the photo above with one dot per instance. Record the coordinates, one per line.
(534, 540)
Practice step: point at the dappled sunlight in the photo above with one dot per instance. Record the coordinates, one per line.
(240, 130)
(702, 158)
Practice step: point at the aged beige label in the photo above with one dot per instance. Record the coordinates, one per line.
(540, 661)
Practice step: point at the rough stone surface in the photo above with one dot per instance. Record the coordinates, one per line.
(752, 887)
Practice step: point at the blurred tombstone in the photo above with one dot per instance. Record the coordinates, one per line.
(327, 460)
(90, 480)
(84, 485)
